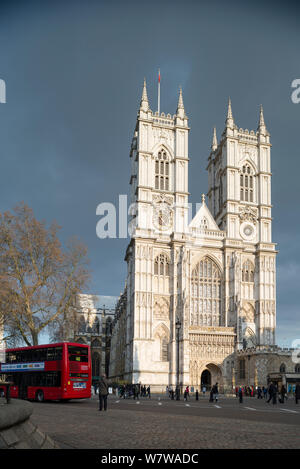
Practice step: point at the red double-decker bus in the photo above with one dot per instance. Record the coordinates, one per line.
(48, 372)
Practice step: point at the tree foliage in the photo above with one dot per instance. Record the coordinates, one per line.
(39, 280)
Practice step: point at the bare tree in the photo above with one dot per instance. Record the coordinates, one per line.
(39, 280)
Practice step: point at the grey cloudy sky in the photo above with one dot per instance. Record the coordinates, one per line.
(74, 72)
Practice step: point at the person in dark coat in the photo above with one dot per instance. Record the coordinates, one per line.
(211, 395)
(297, 392)
(271, 392)
(216, 392)
(197, 395)
(282, 394)
(103, 392)
(275, 392)
(240, 394)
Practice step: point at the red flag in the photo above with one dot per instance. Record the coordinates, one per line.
(158, 76)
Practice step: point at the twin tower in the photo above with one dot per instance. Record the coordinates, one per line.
(199, 290)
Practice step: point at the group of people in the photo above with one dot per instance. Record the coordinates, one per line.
(270, 393)
(214, 393)
(127, 391)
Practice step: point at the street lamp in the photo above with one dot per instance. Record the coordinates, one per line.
(178, 325)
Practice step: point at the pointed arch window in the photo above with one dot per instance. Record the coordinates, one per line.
(162, 171)
(206, 294)
(82, 325)
(248, 272)
(282, 368)
(247, 184)
(162, 265)
(164, 349)
(96, 326)
(96, 365)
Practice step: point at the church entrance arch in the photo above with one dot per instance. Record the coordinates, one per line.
(206, 379)
(214, 374)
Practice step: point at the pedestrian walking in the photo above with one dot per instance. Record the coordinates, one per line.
(215, 392)
(297, 393)
(265, 392)
(240, 394)
(272, 394)
(282, 394)
(148, 392)
(204, 390)
(103, 392)
(259, 393)
(211, 395)
(197, 395)
(275, 392)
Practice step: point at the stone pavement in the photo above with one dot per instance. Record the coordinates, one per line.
(163, 424)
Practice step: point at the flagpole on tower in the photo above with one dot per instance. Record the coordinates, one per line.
(158, 95)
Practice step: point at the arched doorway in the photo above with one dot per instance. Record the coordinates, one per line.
(206, 379)
(213, 373)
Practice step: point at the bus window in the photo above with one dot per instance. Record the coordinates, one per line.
(77, 354)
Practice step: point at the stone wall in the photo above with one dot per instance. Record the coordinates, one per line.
(17, 431)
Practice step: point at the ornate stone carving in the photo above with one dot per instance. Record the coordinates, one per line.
(161, 307)
(248, 214)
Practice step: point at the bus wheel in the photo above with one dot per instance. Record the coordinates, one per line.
(39, 396)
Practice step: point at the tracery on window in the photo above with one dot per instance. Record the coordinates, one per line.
(161, 265)
(248, 272)
(164, 349)
(247, 184)
(206, 294)
(162, 171)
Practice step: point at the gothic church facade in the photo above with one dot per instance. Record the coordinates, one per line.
(204, 285)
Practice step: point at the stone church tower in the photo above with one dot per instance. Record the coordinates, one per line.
(239, 195)
(197, 291)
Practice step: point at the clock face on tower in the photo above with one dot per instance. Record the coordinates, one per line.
(248, 231)
(162, 216)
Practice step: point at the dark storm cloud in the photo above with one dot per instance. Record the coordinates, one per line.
(74, 72)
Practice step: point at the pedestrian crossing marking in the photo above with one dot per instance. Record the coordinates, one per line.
(218, 407)
(137, 402)
(249, 408)
(159, 403)
(117, 402)
(187, 405)
(289, 410)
